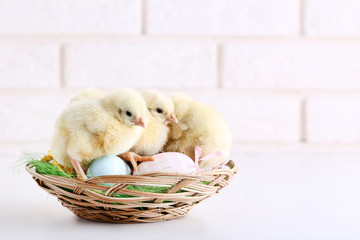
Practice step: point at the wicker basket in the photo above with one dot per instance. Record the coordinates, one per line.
(92, 200)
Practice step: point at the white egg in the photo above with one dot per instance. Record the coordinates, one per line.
(108, 165)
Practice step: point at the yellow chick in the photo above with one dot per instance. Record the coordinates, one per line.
(199, 125)
(160, 113)
(90, 128)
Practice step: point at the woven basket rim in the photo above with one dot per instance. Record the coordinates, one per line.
(232, 169)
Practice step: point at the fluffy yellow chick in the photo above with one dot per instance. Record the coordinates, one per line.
(199, 125)
(160, 113)
(90, 128)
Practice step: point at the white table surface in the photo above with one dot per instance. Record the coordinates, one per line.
(275, 195)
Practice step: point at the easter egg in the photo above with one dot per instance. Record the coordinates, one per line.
(108, 165)
(169, 162)
(175, 162)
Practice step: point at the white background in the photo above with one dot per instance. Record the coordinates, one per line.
(284, 73)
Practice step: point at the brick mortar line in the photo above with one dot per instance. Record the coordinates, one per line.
(219, 66)
(128, 38)
(251, 92)
(240, 94)
(302, 19)
(62, 66)
(144, 11)
(303, 120)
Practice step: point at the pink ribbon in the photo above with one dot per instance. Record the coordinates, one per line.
(198, 152)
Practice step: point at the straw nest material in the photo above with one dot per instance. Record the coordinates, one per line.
(91, 199)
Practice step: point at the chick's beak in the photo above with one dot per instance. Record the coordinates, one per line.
(172, 118)
(140, 122)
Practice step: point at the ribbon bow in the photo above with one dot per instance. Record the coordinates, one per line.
(198, 152)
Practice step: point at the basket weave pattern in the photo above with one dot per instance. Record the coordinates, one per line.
(92, 200)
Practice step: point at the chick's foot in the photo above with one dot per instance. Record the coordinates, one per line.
(133, 158)
(131, 155)
(79, 171)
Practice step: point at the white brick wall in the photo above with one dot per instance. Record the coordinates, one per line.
(29, 65)
(282, 72)
(332, 18)
(333, 119)
(292, 65)
(27, 116)
(223, 17)
(70, 17)
(141, 65)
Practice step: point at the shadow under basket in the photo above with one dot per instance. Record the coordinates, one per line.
(120, 202)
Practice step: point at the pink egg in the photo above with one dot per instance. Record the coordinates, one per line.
(170, 162)
(174, 162)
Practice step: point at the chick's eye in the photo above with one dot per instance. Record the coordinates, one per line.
(128, 113)
(159, 110)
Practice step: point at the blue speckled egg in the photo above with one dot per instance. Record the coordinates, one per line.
(108, 165)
